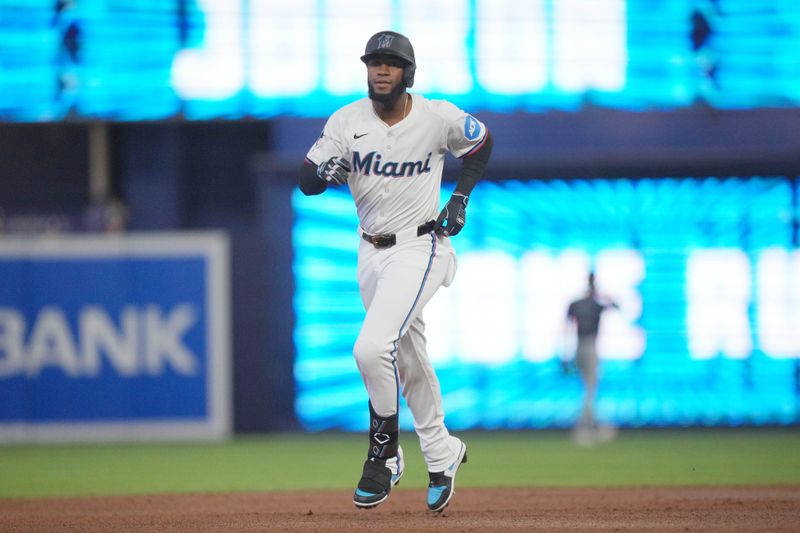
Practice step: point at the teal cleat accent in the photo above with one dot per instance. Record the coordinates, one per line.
(442, 485)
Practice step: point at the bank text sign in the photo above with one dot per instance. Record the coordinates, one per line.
(114, 337)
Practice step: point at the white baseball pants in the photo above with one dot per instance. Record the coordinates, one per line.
(396, 283)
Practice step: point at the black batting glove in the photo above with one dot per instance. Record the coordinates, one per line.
(334, 171)
(453, 216)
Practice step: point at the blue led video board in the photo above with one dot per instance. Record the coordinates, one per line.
(203, 59)
(706, 274)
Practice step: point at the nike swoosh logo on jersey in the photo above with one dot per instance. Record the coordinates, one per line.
(357, 136)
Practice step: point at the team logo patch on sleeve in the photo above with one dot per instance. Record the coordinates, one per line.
(472, 128)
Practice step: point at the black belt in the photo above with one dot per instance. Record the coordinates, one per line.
(390, 239)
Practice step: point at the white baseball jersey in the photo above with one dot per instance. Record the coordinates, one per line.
(397, 170)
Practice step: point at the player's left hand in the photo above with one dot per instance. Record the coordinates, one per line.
(453, 216)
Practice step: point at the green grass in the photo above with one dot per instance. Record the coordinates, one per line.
(333, 461)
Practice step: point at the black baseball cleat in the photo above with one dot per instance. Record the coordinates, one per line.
(377, 481)
(442, 485)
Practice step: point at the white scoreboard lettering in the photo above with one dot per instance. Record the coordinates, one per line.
(717, 300)
(216, 70)
(510, 47)
(589, 44)
(476, 318)
(500, 307)
(514, 34)
(283, 48)
(438, 32)
(487, 310)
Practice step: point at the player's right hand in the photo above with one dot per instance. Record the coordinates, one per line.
(335, 170)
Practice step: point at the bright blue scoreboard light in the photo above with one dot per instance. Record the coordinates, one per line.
(201, 59)
(705, 271)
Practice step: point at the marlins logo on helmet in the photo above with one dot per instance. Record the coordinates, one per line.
(385, 40)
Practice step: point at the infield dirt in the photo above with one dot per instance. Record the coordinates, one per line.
(753, 508)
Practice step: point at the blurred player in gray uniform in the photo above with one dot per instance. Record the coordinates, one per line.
(585, 314)
(389, 149)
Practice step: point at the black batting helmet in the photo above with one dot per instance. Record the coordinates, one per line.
(391, 43)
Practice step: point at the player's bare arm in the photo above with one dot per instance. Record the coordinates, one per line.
(454, 215)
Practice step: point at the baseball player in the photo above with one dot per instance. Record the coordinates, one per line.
(585, 313)
(389, 149)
